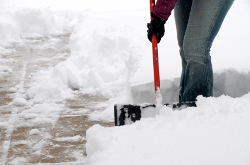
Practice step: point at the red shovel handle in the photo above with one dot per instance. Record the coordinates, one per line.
(155, 54)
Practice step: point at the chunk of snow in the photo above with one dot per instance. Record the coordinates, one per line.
(45, 91)
(9, 70)
(13, 89)
(74, 138)
(34, 132)
(31, 116)
(19, 102)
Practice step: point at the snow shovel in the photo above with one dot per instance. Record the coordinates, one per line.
(126, 114)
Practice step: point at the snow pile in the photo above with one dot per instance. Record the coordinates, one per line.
(226, 82)
(47, 91)
(215, 132)
(101, 62)
(9, 30)
(43, 21)
(33, 22)
(15, 25)
(104, 59)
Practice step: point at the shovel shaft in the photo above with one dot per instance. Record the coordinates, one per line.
(155, 55)
(152, 6)
(155, 63)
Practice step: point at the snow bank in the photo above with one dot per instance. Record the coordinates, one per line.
(9, 31)
(33, 22)
(215, 132)
(226, 82)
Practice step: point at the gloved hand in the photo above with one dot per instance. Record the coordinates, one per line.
(156, 26)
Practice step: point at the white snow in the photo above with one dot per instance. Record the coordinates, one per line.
(19, 102)
(31, 116)
(111, 56)
(74, 138)
(34, 132)
(33, 23)
(216, 132)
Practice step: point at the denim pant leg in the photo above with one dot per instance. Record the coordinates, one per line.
(197, 24)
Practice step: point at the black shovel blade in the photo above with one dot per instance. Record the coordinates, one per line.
(126, 114)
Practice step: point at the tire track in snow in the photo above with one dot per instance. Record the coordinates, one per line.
(14, 115)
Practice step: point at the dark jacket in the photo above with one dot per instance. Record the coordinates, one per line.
(163, 8)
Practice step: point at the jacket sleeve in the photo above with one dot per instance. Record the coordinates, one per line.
(163, 8)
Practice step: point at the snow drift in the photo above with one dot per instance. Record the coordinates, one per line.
(215, 132)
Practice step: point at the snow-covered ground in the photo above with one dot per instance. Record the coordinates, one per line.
(111, 56)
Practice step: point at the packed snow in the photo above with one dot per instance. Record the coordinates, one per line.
(111, 56)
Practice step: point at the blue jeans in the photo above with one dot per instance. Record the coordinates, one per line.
(197, 24)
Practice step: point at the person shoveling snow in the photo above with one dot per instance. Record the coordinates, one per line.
(197, 25)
